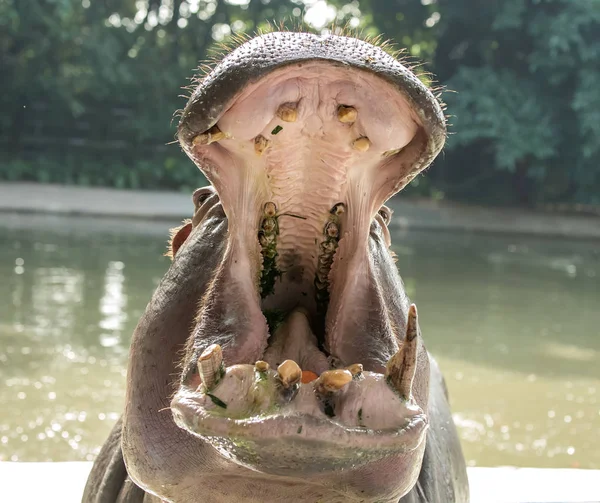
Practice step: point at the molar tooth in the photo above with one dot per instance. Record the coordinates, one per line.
(338, 209)
(210, 366)
(332, 230)
(331, 381)
(328, 246)
(270, 209)
(261, 366)
(401, 368)
(212, 135)
(347, 115)
(266, 239)
(269, 225)
(288, 112)
(361, 144)
(390, 153)
(355, 369)
(290, 373)
(261, 144)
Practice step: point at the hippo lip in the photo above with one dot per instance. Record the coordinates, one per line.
(303, 147)
(280, 444)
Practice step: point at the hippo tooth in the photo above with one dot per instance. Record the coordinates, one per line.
(332, 230)
(288, 112)
(347, 115)
(270, 209)
(212, 135)
(210, 365)
(361, 144)
(390, 153)
(401, 367)
(355, 369)
(290, 373)
(261, 144)
(261, 366)
(332, 381)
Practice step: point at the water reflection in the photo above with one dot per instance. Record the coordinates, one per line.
(512, 321)
(113, 304)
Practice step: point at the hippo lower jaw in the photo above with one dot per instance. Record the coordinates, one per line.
(273, 422)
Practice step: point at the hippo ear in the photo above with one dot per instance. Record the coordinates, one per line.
(178, 237)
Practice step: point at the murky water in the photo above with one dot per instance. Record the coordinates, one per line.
(514, 323)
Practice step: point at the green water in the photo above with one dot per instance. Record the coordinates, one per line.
(513, 321)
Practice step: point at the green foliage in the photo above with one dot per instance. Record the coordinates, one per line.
(505, 111)
(89, 87)
(526, 81)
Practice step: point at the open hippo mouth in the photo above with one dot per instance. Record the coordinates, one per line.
(305, 359)
(303, 338)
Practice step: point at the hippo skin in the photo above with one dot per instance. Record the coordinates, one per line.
(280, 358)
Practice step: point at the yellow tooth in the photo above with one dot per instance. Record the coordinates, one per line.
(212, 135)
(261, 144)
(210, 365)
(361, 144)
(261, 366)
(269, 209)
(401, 368)
(389, 153)
(332, 230)
(338, 209)
(331, 381)
(355, 369)
(288, 112)
(290, 373)
(346, 115)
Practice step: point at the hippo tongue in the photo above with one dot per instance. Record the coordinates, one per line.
(294, 340)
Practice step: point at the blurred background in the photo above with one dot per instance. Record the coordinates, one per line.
(88, 89)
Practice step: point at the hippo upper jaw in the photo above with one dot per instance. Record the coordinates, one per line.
(304, 371)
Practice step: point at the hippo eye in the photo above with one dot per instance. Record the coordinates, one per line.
(385, 214)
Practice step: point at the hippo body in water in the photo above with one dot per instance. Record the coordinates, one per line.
(280, 358)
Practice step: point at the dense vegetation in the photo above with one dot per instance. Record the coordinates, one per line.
(89, 87)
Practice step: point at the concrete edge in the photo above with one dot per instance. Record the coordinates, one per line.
(64, 482)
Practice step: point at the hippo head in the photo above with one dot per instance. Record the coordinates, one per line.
(280, 358)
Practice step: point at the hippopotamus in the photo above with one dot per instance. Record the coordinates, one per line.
(280, 358)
